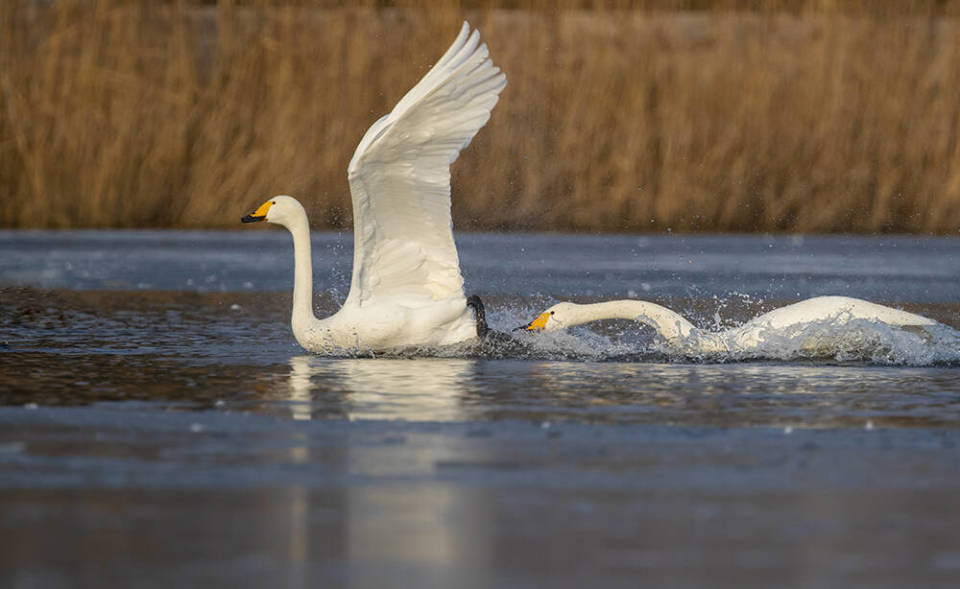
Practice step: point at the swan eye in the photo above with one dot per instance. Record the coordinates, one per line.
(552, 312)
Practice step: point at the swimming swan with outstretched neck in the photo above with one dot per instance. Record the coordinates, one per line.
(406, 290)
(681, 335)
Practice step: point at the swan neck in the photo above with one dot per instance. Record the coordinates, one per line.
(302, 272)
(668, 324)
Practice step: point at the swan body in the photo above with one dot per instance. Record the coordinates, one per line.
(406, 289)
(682, 335)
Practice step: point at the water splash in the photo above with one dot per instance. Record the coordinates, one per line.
(831, 340)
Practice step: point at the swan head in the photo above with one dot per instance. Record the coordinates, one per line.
(559, 316)
(279, 209)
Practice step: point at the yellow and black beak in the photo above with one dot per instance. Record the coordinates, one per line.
(537, 324)
(258, 215)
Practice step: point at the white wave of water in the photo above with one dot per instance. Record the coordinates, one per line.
(854, 340)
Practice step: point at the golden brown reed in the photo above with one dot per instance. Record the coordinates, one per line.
(751, 116)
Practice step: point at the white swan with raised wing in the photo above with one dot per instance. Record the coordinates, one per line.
(406, 290)
(786, 322)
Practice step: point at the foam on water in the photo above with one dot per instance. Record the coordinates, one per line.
(856, 340)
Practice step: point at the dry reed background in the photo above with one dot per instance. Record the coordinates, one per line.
(722, 116)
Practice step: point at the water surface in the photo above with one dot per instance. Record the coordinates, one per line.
(159, 426)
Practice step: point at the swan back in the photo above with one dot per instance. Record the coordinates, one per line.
(838, 309)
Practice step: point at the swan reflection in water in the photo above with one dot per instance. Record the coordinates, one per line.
(424, 389)
(385, 519)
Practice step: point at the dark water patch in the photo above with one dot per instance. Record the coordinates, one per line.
(465, 389)
(185, 324)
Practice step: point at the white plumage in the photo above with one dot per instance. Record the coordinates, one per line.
(792, 322)
(406, 288)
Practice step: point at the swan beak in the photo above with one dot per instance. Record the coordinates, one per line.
(537, 324)
(258, 215)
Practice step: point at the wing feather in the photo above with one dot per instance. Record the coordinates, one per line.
(400, 179)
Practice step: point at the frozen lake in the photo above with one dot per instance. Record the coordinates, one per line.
(159, 425)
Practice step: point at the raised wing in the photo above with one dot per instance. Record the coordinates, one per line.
(400, 179)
